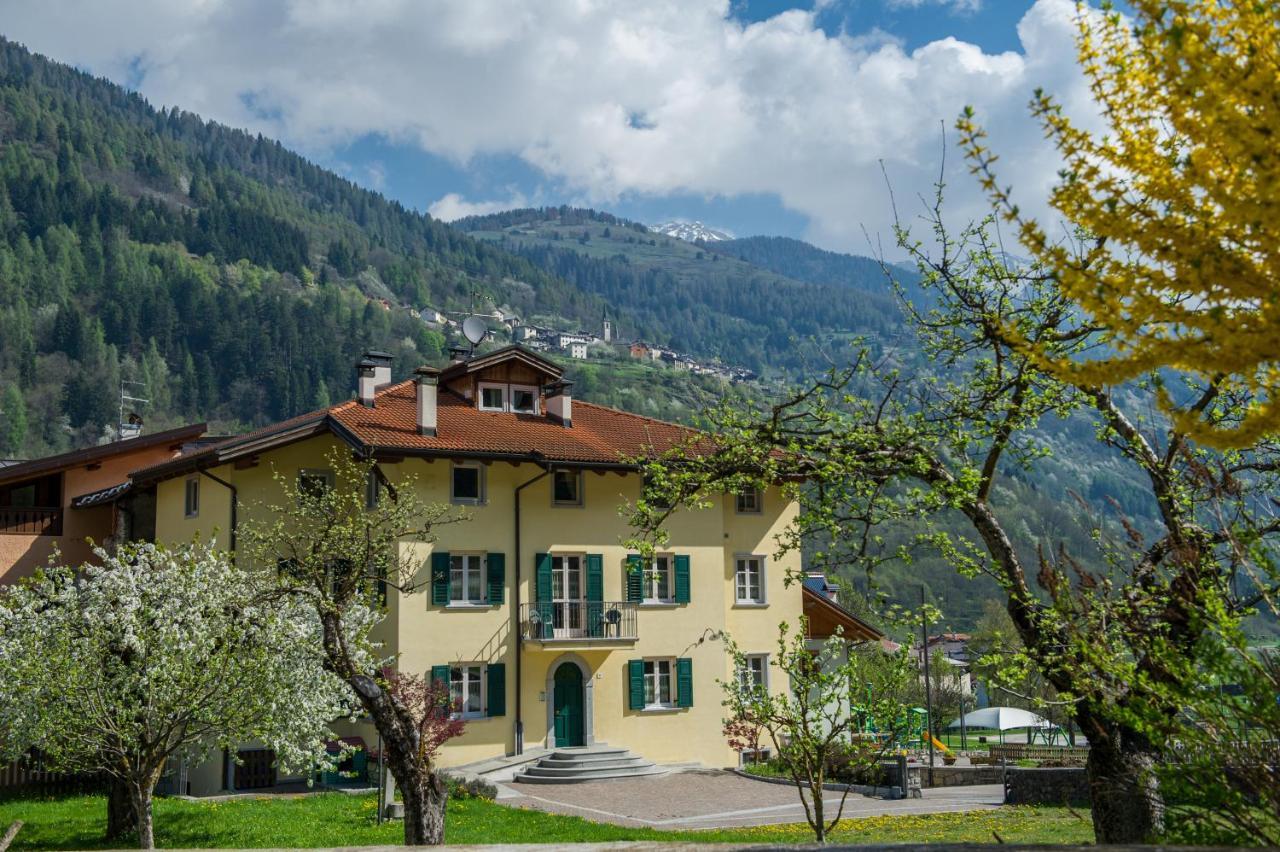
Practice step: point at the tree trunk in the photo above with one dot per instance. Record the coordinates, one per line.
(423, 792)
(424, 806)
(142, 808)
(819, 815)
(1123, 789)
(121, 817)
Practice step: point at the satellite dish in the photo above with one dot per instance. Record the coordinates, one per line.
(474, 330)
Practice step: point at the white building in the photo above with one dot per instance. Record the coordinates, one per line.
(577, 350)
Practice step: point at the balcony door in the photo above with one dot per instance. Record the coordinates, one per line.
(568, 593)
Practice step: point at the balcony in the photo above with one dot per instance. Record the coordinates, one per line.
(579, 622)
(30, 520)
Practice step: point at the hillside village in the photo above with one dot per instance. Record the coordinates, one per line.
(580, 344)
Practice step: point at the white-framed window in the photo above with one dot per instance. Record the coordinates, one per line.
(493, 397)
(314, 481)
(748, 756)
(749, 580)
(749, 502)
(659, 580)
(191, 501)
(466, 689)
(566, 488)
(524, 399)
(659, 688)
(466, 579)
(754, 673)
(467, 483)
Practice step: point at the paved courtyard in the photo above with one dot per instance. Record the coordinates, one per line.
(706, 798)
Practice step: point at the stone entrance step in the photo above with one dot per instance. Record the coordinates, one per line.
(594, 763)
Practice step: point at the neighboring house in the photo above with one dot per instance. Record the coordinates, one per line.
(534, 613)
(577, 350)
(826, 619)
(60, 501)
(952, 649)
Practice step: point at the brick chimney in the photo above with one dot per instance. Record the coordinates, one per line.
(560, 403)
(428, 379)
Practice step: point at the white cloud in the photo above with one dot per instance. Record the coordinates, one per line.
(607, 97)
(453, 206)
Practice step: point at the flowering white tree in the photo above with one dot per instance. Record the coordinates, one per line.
(157, 654)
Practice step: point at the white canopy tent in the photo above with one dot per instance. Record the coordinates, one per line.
(1005, 719)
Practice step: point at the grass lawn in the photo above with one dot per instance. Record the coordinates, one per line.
(336, 820)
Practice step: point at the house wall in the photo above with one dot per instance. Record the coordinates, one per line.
(424, 635)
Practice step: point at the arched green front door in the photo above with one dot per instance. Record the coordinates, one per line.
(568, 705)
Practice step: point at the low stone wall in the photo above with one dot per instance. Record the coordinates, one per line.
(956, 776)
(1046, 786)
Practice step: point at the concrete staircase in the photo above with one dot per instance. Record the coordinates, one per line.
(598, 762)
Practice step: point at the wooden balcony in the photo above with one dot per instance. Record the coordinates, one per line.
(33, 520)
(579, 622)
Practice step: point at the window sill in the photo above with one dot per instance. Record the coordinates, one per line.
(750, 604)
(456, 502)
(467, 607)
(555, 505)
(658, 604)
(662, 708)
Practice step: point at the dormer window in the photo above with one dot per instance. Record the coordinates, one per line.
(524, 400)
(493, 397)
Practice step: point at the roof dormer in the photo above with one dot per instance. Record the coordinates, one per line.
(510, 380)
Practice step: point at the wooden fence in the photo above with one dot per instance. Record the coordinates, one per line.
(1022, 751)
(28, 775)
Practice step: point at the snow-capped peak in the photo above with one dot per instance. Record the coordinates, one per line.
(690, 232)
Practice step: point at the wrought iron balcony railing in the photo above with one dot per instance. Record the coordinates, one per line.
(577, 621)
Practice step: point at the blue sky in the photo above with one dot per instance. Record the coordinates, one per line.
(756, 116)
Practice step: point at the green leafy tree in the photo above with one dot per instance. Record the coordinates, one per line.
(814, 726)
(1118, 631)
(13, 421)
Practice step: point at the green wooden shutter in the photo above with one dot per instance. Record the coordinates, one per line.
(635, 578)
(497, 674)
(440, 579)
(684, 682)
(542, 591)
(496, 567)
(440, 673)
(595, 594)
(542, 577)
(682, 578)
(635, 683)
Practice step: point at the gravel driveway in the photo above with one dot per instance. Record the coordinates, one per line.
(712, 798)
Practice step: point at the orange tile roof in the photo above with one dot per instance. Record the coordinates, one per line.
(598, 434)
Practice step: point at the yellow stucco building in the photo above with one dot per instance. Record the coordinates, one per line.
(531, 610)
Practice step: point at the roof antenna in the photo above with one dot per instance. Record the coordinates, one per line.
(132, 428)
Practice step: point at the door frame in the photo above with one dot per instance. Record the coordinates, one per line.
(588, 699)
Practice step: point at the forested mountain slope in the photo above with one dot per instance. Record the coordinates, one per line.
(690, 297)
(233, 278)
